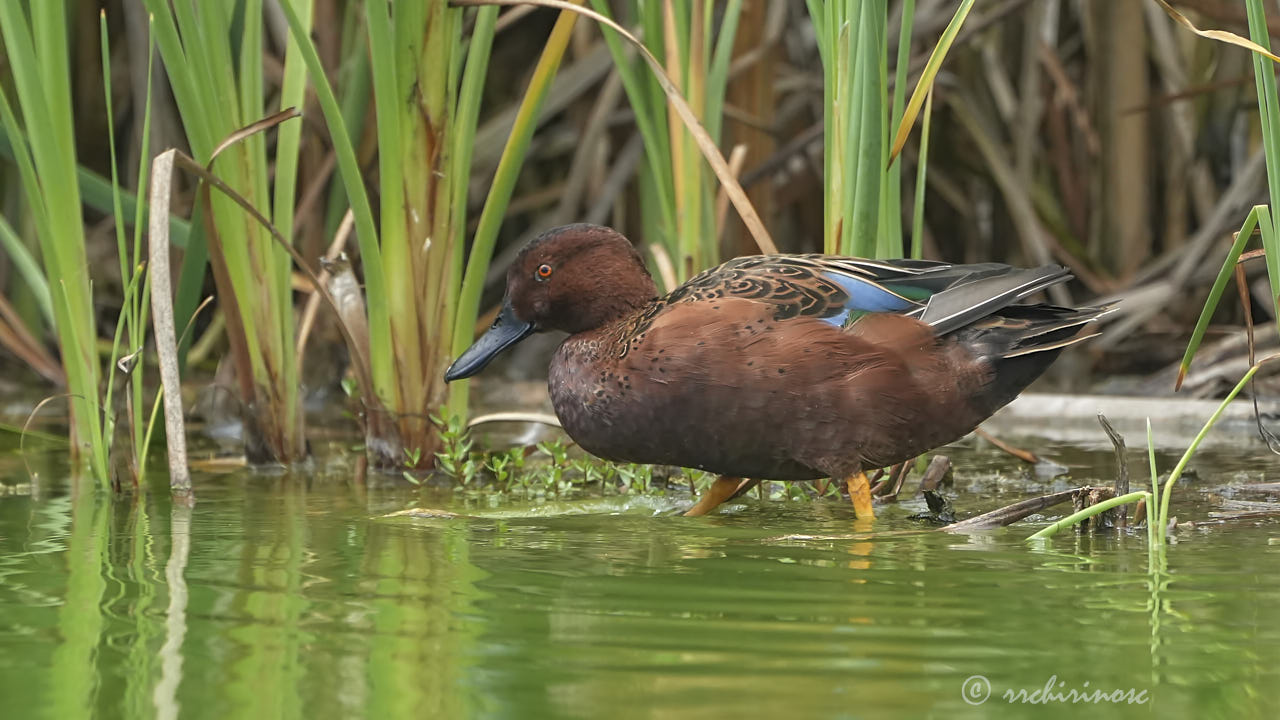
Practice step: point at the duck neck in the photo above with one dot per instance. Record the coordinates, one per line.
(618, 300)
(621, 307)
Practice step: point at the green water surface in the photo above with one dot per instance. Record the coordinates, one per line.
(290, 595)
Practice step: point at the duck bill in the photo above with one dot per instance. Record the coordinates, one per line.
(506, 331)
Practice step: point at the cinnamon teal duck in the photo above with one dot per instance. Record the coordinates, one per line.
(780, 367)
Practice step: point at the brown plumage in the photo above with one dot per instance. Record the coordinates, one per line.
(788, 367)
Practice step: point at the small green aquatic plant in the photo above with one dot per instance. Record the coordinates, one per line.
(635, 479)
(552, 476)
(589, 471)
(455, 446)
(503, 465)
(787, 490)
(411, 461)
(553, 469)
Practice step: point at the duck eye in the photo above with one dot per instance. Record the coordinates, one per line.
(544, 271)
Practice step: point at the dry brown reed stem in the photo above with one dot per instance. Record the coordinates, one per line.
(1229, 13)
(1242, 289)
(317, 185)
(17, 339)
(737, 157)
(666, 270)
(313, 302)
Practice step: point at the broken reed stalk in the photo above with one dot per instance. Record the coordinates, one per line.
(937, 471)
(1122, 467)
(162, 323)
(313, 301)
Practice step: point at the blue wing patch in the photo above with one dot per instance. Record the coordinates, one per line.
(865, 296)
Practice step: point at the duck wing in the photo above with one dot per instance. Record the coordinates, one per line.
(840, 290)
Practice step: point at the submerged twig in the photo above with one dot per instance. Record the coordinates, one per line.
(1223, 519)
(996, 518)
(1010, 514)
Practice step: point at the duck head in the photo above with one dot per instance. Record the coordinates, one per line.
(572, 278)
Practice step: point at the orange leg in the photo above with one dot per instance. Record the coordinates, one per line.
(860, 494)
(722, 489)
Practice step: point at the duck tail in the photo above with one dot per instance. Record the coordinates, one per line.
(1020, 341)
(1044, 328)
